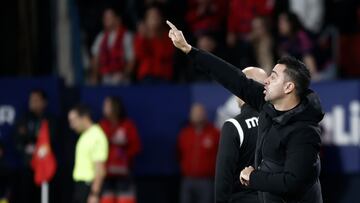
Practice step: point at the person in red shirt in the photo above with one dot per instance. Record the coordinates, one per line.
(197, 148)
(153, 51)
(239, 24)
(241, 15)
(124, 145)
(206, 15)
(112, 51)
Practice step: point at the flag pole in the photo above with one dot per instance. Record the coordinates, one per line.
(44, 192)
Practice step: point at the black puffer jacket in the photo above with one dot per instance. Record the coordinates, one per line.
(287, 152)
(287, 160)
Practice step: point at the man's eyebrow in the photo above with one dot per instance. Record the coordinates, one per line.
(274, 72)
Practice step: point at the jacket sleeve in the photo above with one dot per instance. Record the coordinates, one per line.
(228, 154)
(300, 167)
(230, 77)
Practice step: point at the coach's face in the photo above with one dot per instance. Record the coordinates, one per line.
(275, 84)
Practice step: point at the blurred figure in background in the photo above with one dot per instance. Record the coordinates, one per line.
(294, 41)
(91, 154)
(206, 41)
(205, 16)
(154, 52)
(239, 24)
(262, 43)
(26, 135)
(241, 15)
(112, 52)
(325, 53)
(197, 148)
(124, 145)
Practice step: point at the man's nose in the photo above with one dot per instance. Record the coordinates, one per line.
(266, 81)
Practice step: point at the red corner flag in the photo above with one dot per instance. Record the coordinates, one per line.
(43, 160)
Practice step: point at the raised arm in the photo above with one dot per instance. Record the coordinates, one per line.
(226, 74)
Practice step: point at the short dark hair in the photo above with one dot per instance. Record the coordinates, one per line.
(298, 73)
(40, 92)
(82, 110)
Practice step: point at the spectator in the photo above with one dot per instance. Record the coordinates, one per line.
(239, 24)
(90, 156)
(262, 43)
(124, 145)
(26, 135)
(241, 15)
(113, 57)
(205, 16)
(154, 52)
(205, 41)
(325, 54)
(294, 41)
(197, 144)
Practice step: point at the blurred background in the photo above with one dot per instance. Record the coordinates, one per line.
(58, 53)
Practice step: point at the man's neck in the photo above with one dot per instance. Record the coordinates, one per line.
(87, 125)
(287, 103)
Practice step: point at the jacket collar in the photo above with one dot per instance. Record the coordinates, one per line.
(308, 110)
(285, 117)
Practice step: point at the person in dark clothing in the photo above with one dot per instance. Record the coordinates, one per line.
(25, 137)
(287, 163)
(237, 150)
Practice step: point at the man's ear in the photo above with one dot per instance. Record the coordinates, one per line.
(289, 87)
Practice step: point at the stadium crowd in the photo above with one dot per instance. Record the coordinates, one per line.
(131, 45)
(125, 42)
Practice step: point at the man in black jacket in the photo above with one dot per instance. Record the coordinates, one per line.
(287, 165)
(25, 136)
(237, 150)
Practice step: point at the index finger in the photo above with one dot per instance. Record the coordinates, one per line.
(172, 26)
